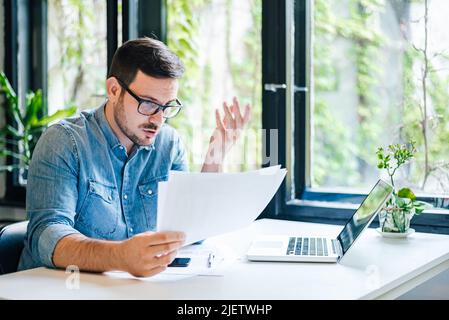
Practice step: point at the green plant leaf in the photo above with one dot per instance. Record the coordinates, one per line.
(420, 206)
(406, 193)
(64, 113)
(419, 210)
(13, 132)
(10, 167)
(11, 97)
(404, 203)
(400, 203)
(7, 89)
(33, 106)
(4, 153)
(36, 131)
(9, 141)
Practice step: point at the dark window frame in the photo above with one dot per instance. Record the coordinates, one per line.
(273, 71)
(25, 32)
(295, 200)
(10, 68)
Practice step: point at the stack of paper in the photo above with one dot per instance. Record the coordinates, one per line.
(209, 204)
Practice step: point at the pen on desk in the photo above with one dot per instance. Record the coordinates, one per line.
(210, 260)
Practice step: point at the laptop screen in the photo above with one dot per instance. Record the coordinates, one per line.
(364, 214)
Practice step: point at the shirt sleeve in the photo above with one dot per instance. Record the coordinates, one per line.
(180, 160)
(51, 193)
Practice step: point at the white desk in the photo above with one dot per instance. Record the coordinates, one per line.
(376, 268)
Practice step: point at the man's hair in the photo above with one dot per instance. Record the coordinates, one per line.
(148, 55)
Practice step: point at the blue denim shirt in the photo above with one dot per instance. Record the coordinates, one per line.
(81, 180)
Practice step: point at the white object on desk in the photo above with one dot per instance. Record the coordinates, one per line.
(396, 235)
(206, 260)
(209, 204)
(377, 268)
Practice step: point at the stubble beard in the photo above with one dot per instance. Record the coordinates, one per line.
(120, 119)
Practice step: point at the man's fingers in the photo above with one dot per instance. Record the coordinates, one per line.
(162, 249)
(230, 119)
(218, 120)
(166, 259)
(165, 237)
(247, 115)
(227, 110)
(236, 109)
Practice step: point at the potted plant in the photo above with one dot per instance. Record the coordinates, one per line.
(398, 211)
(19, 142)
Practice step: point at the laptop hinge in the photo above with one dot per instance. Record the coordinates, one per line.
(339, 249)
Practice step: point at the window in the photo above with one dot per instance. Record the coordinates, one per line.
(64, 48)
(19, 52)
(373, 63)
(76, 53)
(219, 43)
(2, 35)
(369, 67)
(353, 74)
(2, 59)
(46, 47)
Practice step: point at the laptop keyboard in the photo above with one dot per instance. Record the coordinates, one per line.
(309, 246)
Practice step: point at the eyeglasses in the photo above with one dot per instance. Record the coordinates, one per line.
(149, 107)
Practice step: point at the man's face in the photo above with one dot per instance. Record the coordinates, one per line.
(139, 128)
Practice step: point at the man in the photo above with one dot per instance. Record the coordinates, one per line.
(92, 182)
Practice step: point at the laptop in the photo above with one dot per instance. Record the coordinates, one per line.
(321, 249)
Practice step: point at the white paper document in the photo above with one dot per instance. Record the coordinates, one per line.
(200, 264)
(200, 260)
(208, 204)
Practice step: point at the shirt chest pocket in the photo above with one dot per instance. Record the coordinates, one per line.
(100, 211)
(149, 195)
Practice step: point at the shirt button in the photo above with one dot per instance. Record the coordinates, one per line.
(125, 197)
(150, 191)
(109, 198)
(121, 147)
(131, 229)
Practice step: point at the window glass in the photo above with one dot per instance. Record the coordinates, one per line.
(219, 42)
(380, 76)
(77, 63)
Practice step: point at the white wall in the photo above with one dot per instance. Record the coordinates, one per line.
(2, 60)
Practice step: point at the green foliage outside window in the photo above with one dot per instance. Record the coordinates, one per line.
(19, 142)
(196, 87)
(340, 159)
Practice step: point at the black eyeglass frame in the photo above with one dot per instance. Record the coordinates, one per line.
(159, 106)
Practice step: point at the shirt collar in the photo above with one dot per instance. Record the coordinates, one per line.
(110, 136)
(150, 147)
